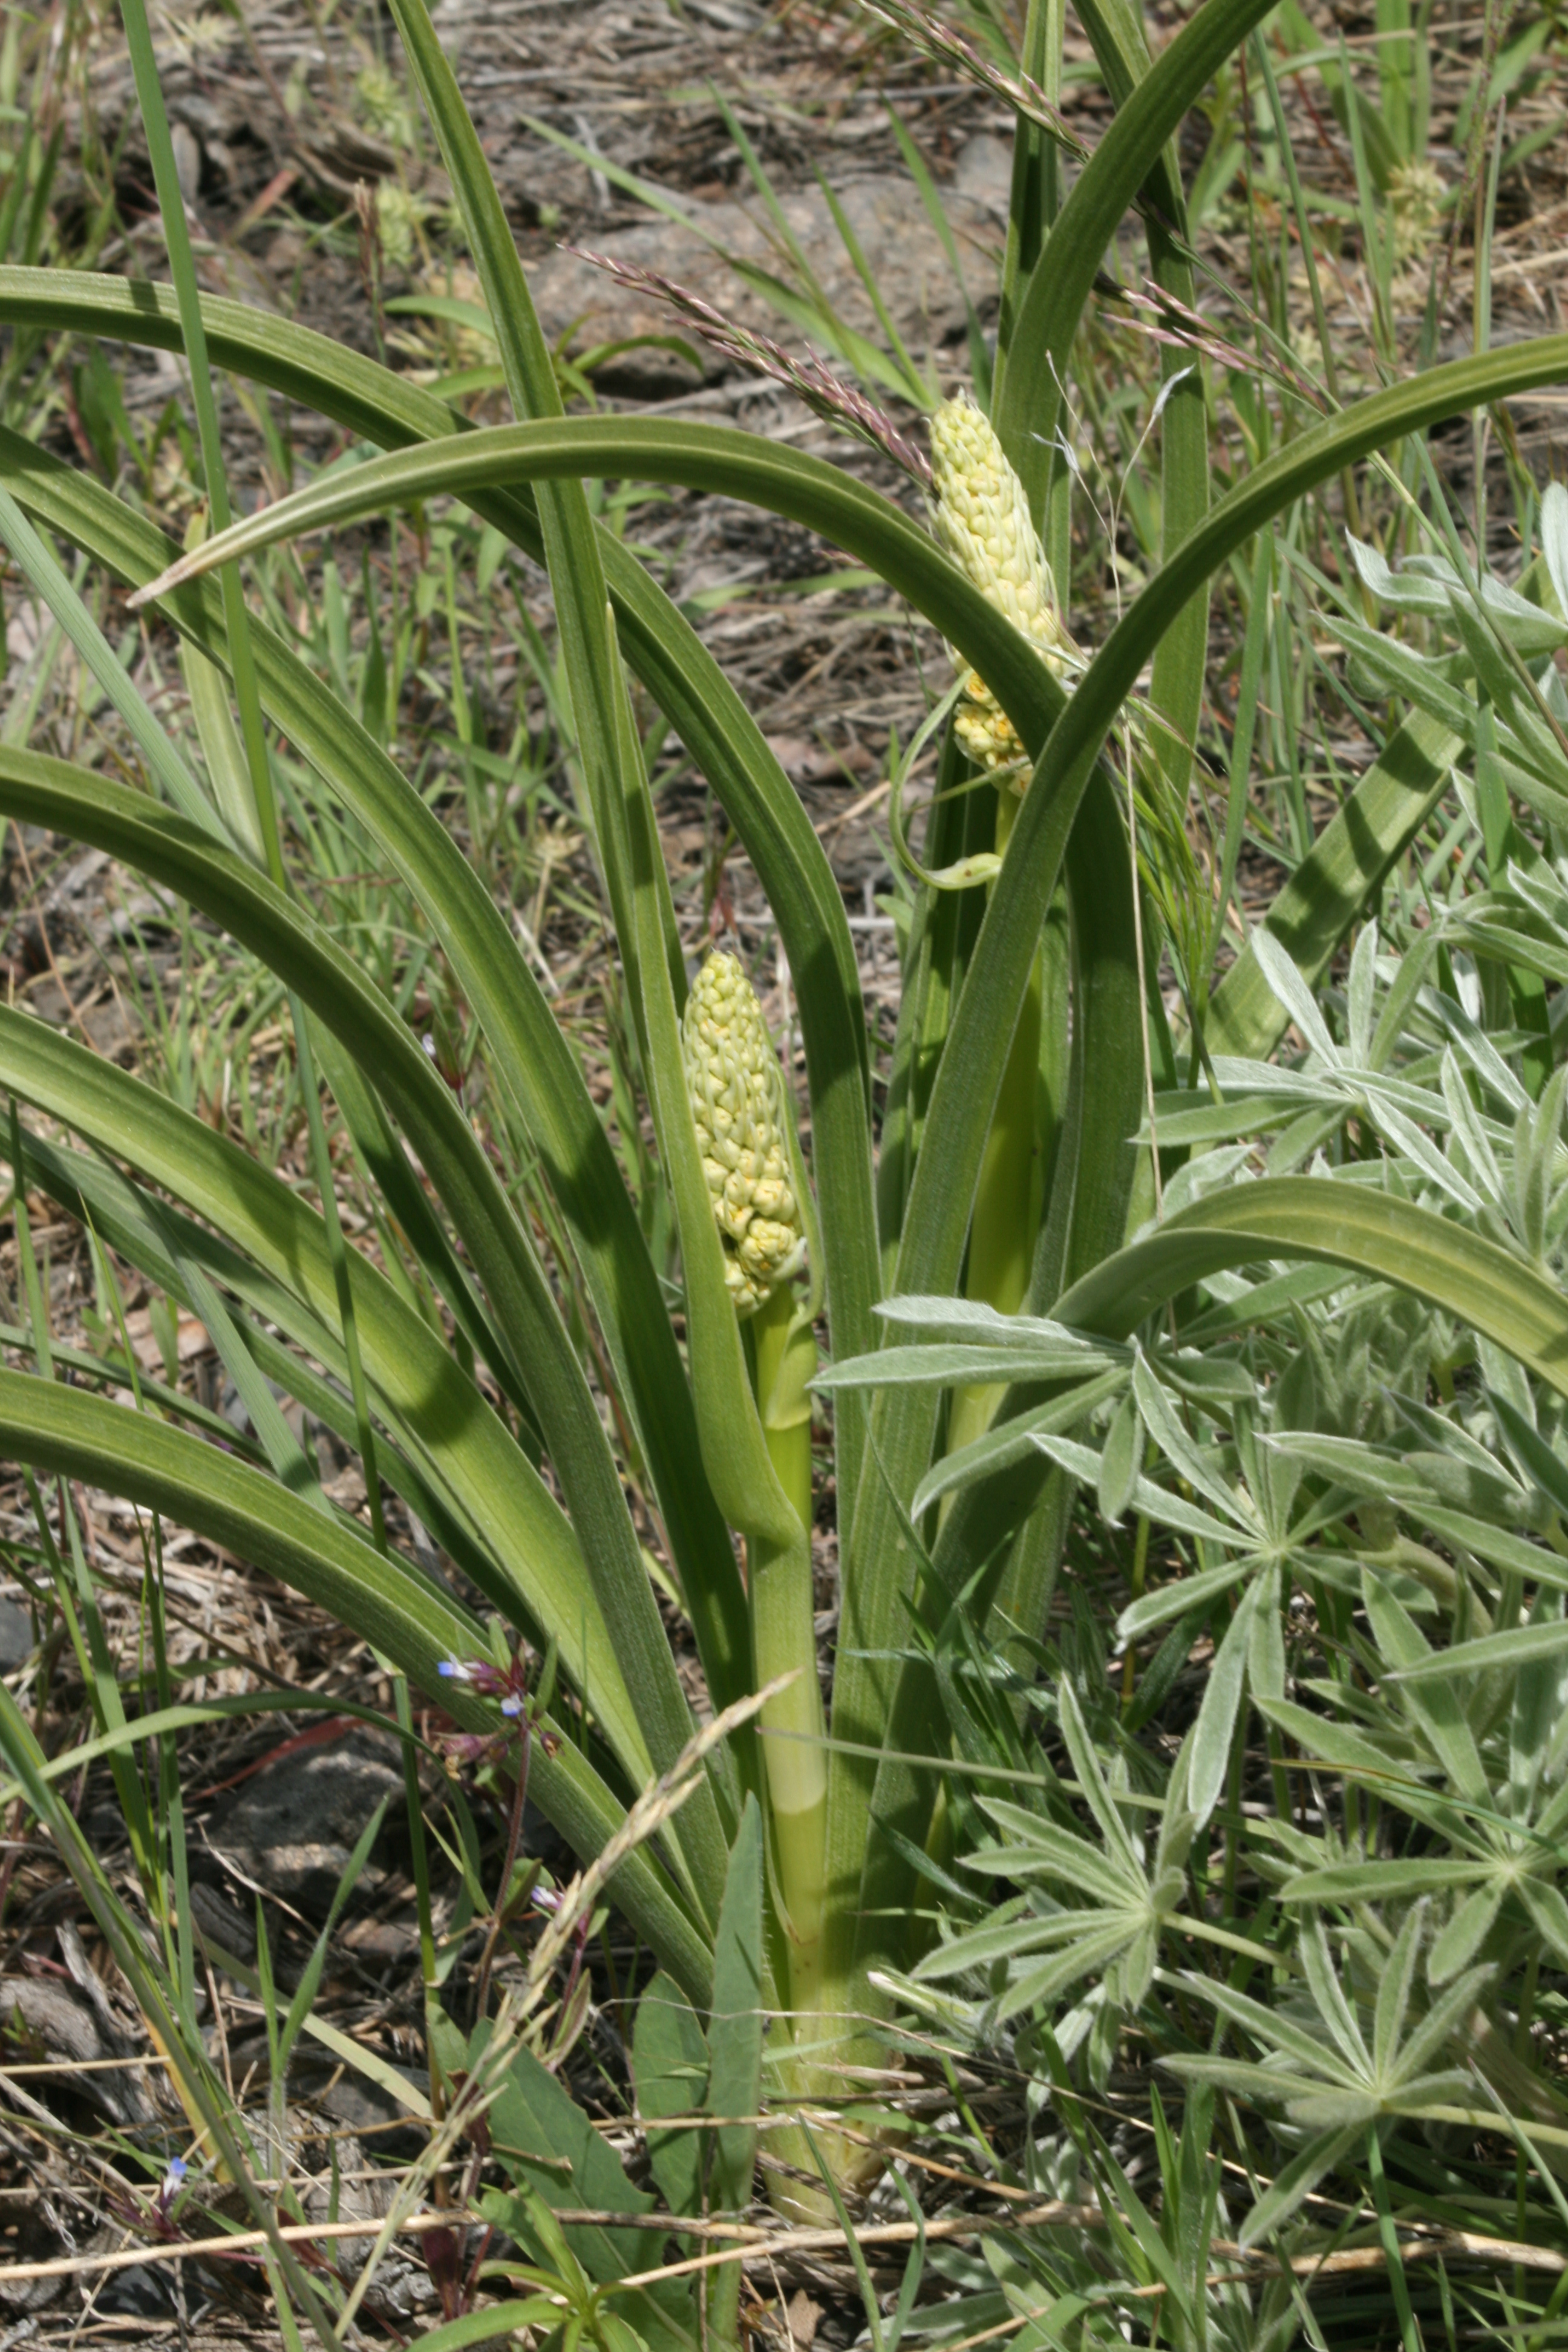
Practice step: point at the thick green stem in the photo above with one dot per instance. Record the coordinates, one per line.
(785, 1355)
(1001, 1234)
(785, 1636)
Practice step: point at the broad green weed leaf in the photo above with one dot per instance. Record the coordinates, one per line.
(1441, 1715)
(736, 2027)
(670, 2065)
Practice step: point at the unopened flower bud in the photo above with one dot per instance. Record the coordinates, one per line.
(982, 519)
(736, 1091)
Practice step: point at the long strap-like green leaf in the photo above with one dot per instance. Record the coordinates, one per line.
(531, 1057)
(767, 474)
(435, 1408)
(88, 1187)
(1128, 155)
(1500, 1295)
(1121, 44)
(64, 1431)
(1324, 897)
(683, 678)
(234, 894)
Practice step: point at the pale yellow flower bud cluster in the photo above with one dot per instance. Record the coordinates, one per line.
(1416, 192)
(982, 519)
(737, 1096)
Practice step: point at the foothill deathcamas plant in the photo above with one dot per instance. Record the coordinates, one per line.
(1293, 1310)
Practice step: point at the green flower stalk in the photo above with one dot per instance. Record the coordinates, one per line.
(982, 519)
(757, 1183)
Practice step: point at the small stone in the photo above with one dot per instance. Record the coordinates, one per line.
(139, 2293)
(223, 1923)
(354, 2103)
(293, 1827)
(983, 173)
(899, 245)
(187, 150)
(803, 2316)
(17, 1642)
(44, 2018)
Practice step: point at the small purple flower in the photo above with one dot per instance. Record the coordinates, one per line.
(507, 1684)
(481, 1675)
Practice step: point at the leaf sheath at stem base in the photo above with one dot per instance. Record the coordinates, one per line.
(783, 1357)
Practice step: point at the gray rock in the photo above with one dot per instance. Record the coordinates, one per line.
(294, 1826)
(223, 1923)
(983, 173)
(139, 2292)
(17, 1643)
(354, 2103)
(359, 2192)
(45, 2018)
(901, 247)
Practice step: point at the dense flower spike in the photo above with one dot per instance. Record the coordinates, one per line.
(982, 518)
(736, 1091)
(982, 515)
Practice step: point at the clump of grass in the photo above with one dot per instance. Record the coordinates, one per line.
(1193, 1307)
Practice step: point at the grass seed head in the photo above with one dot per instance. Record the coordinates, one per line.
(736, 1093)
